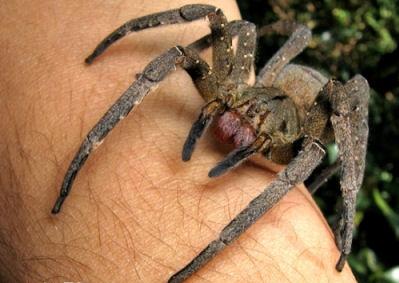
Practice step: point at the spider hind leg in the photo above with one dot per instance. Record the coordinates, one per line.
(299, 38)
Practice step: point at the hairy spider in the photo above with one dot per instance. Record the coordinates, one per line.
(288, 104)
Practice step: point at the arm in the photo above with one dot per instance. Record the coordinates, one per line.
(137, 212)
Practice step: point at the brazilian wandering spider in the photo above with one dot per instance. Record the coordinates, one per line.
(287, 104)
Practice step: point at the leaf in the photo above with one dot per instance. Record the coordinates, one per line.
(389, 213)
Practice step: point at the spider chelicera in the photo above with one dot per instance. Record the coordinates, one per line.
(288, 104)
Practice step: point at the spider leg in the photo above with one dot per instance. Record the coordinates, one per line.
(204, 42)
(296, 172)
(222, 54)
(323, 177)
(358, 91)
(201, 74)
(245, 53)
(238, 156)
(155, 72)
(186, 13)
(346, 132)
(299, 38)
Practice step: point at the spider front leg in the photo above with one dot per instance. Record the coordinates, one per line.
(154, 73)
(244, 57)
(351, 132)
(296, 172)
(186, 13)
(220, 37)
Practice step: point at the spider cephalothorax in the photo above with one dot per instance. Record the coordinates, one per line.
(287, 104)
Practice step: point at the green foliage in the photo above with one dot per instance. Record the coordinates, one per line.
(349, 37)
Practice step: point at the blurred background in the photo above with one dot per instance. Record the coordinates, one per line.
(350, 37)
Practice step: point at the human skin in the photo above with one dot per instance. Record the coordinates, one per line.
(136, 212)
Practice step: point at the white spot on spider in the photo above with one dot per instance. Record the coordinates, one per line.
(245, 44)
(209, 72)
(250, 55)
(247, 34)
(162, 23)
(222, 38)
(245, 56)
(222, 25)
(228, 49)
(178, 50)
(197, 61)
(283, 58)
(242, 68)
(315, 103)
(319, 146)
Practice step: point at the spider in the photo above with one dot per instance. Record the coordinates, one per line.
(289, 104)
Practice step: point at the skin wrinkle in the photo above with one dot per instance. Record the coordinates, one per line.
(252, 261)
